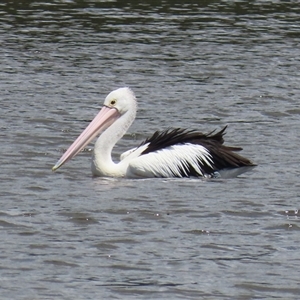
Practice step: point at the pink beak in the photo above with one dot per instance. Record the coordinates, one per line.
(103, 120)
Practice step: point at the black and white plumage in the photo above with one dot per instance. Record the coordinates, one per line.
(170, 153)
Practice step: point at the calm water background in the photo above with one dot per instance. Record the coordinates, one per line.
(67, 235)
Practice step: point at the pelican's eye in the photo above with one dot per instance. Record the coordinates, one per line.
(113, 102)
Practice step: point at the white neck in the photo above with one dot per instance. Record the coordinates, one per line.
(102, 163)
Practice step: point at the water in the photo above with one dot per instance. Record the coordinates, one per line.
(67, 235)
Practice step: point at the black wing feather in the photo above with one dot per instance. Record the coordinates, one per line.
(222, 156)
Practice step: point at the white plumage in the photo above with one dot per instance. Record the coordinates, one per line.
(170, 162)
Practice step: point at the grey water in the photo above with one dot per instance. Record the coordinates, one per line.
(192, 64)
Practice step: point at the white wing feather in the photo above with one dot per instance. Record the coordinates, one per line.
(170, 162)
(127, 153)
(133, 153)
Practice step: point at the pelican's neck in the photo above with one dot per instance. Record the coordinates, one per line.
(102, 163)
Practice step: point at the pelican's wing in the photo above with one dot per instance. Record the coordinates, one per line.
(179, 160)
(181, 153)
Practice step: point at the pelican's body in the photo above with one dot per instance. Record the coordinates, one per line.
(171, 153)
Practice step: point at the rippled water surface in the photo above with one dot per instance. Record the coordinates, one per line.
(67, 235)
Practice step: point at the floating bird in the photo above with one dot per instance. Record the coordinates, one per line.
(170, 153)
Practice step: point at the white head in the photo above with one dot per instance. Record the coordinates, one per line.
(122, 99)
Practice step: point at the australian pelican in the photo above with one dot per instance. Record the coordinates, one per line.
(170, 153)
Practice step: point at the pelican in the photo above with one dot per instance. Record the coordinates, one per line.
(170, 153)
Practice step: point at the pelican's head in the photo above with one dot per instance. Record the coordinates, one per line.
(122, 99)
(117, 103)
